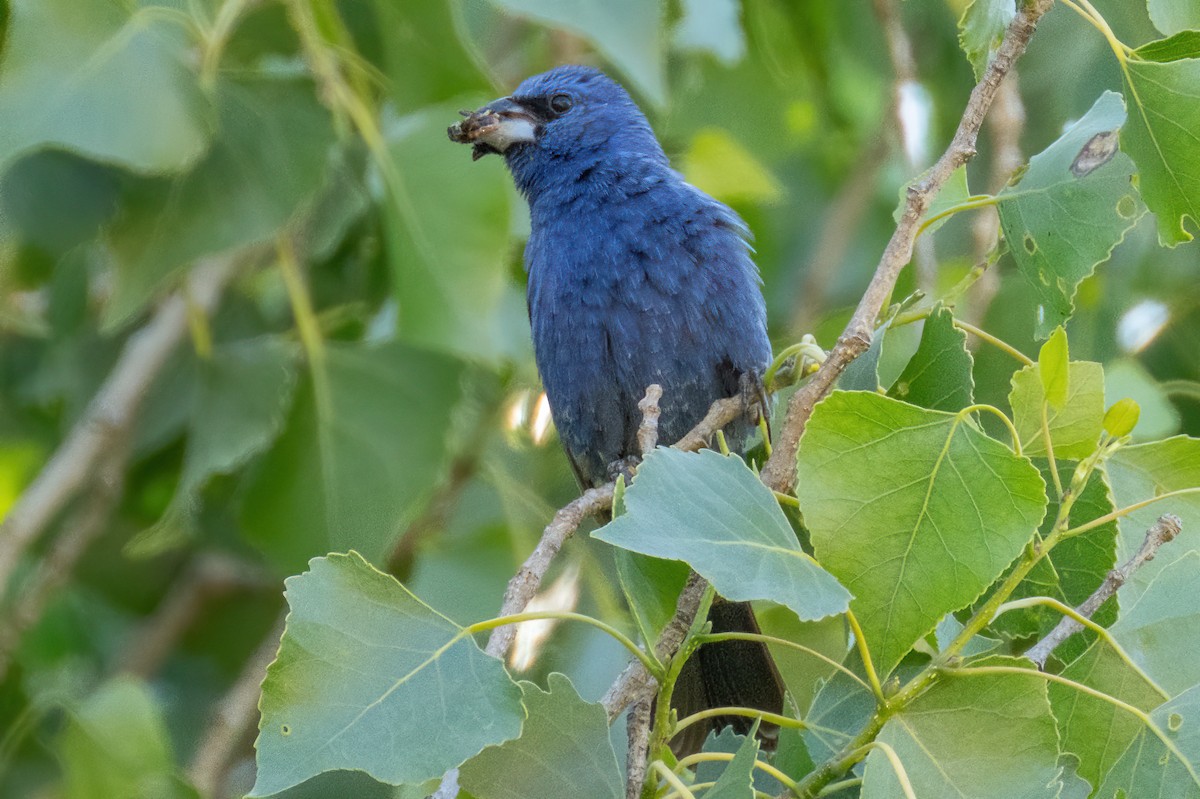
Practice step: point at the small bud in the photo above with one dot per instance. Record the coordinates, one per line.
(1121, 418)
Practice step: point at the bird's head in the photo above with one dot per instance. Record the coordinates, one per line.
(559, 125)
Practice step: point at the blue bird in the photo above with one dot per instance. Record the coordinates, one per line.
(635, 277)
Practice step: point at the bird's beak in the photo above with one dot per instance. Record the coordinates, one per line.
(494, 128)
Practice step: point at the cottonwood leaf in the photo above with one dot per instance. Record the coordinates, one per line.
(651, 587)
(244, 394)
(1160, 626)
(627, 32)
(370, 678)
(117, 744)
(938, 376)
(1144, 471)
(113, 83)
(1163, 135)
(981, 29)
(737, 778)
(938, 739)
(1075, 427)
(1174, 16)
(1081, 715)
(1149, 767)
(1070, 208)
(564, 750)
(954, 192)
(711, 512)
(364, 442)
(915, 511)
(268, 158)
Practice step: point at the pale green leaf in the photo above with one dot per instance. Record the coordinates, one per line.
(627, 32)
(940, 739)
(981, 29)
(368, 677)
(1121, 418)
(651, 587)
(351, 466)
(711, 512)
(716, 163)
(1160, 626)
(1162, 136)
(737, 779)
(1070, 208)
(714, 26)
(564, 750)
(1054, 368)
(1081, 715)
(269, 157)
(1145, 471)
(1075, 428)
(938, 376)
(915, 511)
(1173, 16)
(114, 83)
(1157, 416)
(116, 745)
(1152, 768)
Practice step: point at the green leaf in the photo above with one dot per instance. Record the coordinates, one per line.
(113, 83)
(245, 391)
(1054, 368)
(1075, 429)
(564, 750)
(1160, 626)
(116, 744)
(1080, 715)
(651, 587)
(1163, 136)
(1070, 208)
(352, 466)
(451, 257)
(268, 159)
(981, 29)
(1157, 416)
(1149, 767)
(628, 32)
(839, 710)
(915, 511)
(938, 739)
(398, 692)
(1185, 44)
(863, 372)
(711, 512)
(737, 780)
(1173, 16)
(719, 165)
(1121, 418)
(714, 26)
(1074, 568)
(938, 376)
(1142, 472)
(954, 192)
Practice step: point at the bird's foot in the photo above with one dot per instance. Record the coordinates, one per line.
(623, 467)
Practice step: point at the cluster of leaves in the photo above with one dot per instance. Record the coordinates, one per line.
(354, 389)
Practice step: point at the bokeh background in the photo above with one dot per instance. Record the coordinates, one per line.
(241, 225)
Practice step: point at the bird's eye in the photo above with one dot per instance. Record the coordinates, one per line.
(561, 103)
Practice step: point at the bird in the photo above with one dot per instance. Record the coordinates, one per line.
(635, 277)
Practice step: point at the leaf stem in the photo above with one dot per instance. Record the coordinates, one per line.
(835, 787)
(752, 713)
(648, 659)
(897, 766)
(999, 414)
(1048, 443)
(1100, 630)
(676, 784)
(718, 757)
(976, 201)
(1086, 10)
(1117, 514)
(864, 652)
(983, 335)
(1141, 715)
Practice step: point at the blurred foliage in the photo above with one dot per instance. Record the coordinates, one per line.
(367, 380)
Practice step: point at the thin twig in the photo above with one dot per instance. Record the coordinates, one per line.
(1162, 531)
(779, 472)
(109, 416)
(638, 732)
(647, 434)
(234, 719)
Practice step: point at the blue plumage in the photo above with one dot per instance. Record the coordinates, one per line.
(635, 276)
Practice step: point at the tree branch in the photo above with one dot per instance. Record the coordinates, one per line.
(109, 416)
(779, 473)
(1164, 530)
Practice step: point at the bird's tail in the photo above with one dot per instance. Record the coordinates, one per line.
(728, 674)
